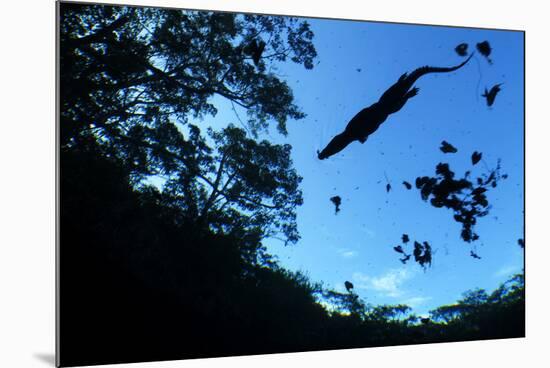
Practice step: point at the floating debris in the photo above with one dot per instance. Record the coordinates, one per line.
(521, 243)
(462, 49)
(446, 147)
(492, 94)
(337, 202)
(423, 254)
(467, 201)
(405, 259)
(485, 49)
(474, 255)
(476, 157)
(398, 249)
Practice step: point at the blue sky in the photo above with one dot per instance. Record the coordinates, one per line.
(358, 61)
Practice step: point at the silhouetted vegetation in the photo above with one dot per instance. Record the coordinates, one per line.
(163, 221)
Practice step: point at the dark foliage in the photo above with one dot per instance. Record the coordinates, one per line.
(255, 50)
(405, 238)
(479, 315)
(521, 243)
(407, 185)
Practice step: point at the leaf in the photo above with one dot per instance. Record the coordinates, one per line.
(388, 187)
(407, 185)
(484, 49)
(405, 259)
(405, 238)
(337, 200)
(462, 49)
(398, 249)
(492, 94)
(476, 157)
(447, 147)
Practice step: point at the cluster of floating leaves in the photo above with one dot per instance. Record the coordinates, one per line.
(467, 199)
(422, 252)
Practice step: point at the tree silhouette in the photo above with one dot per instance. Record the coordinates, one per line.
(126, 68)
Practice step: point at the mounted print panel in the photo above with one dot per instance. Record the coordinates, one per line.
(240, 184)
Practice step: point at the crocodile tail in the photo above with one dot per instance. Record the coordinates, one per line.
(417, 73)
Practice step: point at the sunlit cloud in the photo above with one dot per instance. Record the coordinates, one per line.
(416, 301)
(506, 271)
(369, 232)
(347, 253)
(388, 284)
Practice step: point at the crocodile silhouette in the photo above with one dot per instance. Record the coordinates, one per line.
(369, 119)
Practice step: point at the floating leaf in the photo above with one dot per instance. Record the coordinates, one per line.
(447, 147)
(476, 157)
(474, 255)
(337, 202)
(484, 49)
(492, 94)
(462, 49)
(405, 259)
